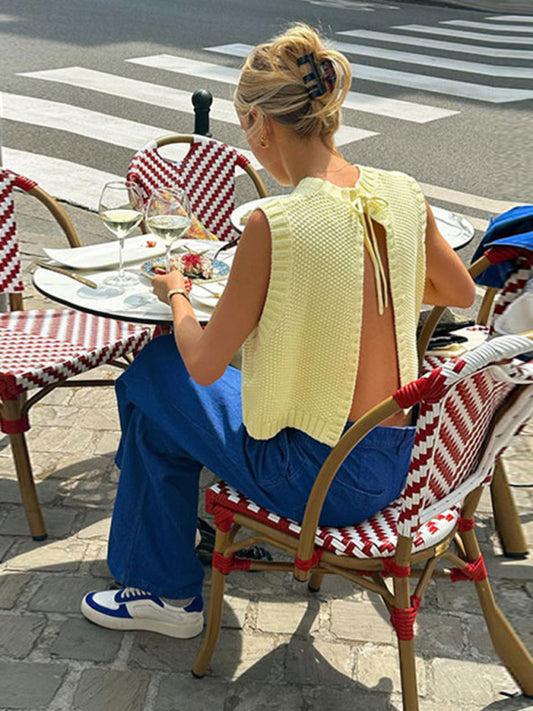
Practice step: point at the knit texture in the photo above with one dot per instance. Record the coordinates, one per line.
(300, 362)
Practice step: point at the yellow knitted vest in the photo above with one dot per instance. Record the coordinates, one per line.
(300, 362)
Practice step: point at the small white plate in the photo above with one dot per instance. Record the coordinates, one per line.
(207, 295)
(105, 254)
(237, 215)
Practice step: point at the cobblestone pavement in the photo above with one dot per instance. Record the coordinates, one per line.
(280, 647)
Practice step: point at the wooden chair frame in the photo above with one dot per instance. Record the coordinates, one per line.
(369, 573)
(506, 517)
(17, 410)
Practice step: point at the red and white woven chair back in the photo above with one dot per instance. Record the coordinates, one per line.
(10, 264)
(513, 288)
(206, 173)
(458, 402)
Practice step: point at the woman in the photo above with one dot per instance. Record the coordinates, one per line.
(324, 295)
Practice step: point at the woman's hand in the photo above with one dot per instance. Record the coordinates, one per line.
(164, 283)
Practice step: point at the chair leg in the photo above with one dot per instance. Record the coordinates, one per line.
(506, 516)
(214, 619)
(507, 644)
(315, 582)
(406, 650)
(28, 492)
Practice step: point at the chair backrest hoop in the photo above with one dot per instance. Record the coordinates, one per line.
(206, 160)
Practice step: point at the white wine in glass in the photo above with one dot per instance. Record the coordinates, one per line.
(168, 216)
(121, 210)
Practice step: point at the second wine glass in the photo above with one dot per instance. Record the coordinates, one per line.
(169, 216)
(121, 210)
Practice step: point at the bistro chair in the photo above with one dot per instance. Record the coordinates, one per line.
(468, 411)
(206, 173)
(40, 349)
(494, 304)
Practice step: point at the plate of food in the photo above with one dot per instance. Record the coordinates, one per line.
(198, 267)
(239, 216)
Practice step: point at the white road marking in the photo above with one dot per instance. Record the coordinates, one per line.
(424, 82)
(439, 44)
(221, 109)
(511, 18)
(456, 197)
(92, 124)
(487, 26)
(74, 183)
(382, 106)
(502, 39)
(430, 60)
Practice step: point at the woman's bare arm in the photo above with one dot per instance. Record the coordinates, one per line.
(448, 282)
(207, 352)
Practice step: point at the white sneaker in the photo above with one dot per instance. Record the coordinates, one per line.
(134, 609)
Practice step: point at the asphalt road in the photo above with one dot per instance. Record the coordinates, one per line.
(467, 77)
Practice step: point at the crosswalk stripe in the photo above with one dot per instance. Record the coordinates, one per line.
(512, 18)
(425, 82)
(456, 197)
(430, 60)
(92, 124)
(448, 31)
(167, 97)
(440, 44)
(487, 26)
(76, 184)
(382, 106)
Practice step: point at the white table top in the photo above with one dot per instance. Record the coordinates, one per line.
(455, 229)
(105, 301)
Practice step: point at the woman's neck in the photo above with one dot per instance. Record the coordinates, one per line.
(312, 158)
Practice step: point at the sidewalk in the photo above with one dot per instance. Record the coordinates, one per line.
(51, 658)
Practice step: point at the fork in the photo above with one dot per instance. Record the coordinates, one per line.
(227, 245)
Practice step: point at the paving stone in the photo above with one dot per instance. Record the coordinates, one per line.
(438, 635)
(318, 662)
(11, 586)
(256, 656)
(282, 617)
(379, 666)
(5, 544)
(91, 492)
(62, 593)
(458, 597)
(95, 398)
(47, 414)
(59, 522)
(360, 621)
(354, 697)
(95, 526)
(47, 491)
(100, 689)
(59, 439)
(101, 418)
(187, 694)
(107, 442)
(18, 634)
(29, 685)
(499, 567)
(57, 556)
(473, 682)
(243, 696)
(157, 652)
(81, 640)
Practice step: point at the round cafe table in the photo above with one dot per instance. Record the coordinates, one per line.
(455, 229)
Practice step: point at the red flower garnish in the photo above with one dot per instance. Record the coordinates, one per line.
(190, 260)
(151, 243)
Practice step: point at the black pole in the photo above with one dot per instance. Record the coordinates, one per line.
(202, 100)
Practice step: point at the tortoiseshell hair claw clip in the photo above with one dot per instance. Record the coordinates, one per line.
(321, 78)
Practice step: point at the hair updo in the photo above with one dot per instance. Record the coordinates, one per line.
(272, 82)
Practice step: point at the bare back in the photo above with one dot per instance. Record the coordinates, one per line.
(377, 376)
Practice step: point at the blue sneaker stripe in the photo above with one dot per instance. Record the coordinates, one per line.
(196, 605)
(122, 611)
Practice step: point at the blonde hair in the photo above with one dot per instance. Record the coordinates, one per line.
(272, 82)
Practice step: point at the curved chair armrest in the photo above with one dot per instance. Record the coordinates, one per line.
(436, 312)
(328, 472)
(58, 212)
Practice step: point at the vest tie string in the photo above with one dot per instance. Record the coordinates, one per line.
(363, 206)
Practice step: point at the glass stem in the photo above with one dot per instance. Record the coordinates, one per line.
(168, 258)
(121, 258)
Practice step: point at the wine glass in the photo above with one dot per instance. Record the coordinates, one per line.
(121, 210)
(168, 216)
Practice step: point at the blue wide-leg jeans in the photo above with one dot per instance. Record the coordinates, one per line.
(172, 427)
